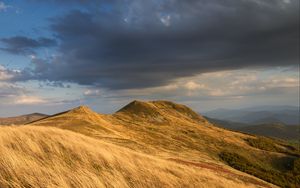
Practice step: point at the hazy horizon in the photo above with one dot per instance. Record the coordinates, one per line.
(115, 109)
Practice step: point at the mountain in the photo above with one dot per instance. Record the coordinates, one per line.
(273, 108)
(259, 115)
(24, 119)
(275, 130)
(144, 144)
(232, 125)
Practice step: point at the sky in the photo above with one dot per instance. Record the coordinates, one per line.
(207, 54)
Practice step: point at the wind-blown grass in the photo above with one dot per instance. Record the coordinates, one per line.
(289, 179)
(51, 157)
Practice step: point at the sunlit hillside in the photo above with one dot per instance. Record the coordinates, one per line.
(144, 144)
(51, 157)
(92, 66)
(175, 132)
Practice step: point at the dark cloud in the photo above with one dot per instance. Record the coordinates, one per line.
(25, 45)
(139, 44)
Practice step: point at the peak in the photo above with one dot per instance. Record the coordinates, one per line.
(137, 102)
(81, 109)
(148, 104)
(174, 106)
(37, 114)
(163, 102)
(160, 109)
(137, 107)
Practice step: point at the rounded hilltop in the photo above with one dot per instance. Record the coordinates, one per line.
(137, 107)
(160, 112)
(82, 109)
(85, 113)
(159, 108)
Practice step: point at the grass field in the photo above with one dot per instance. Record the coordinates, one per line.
(160, 143)
(51, 157)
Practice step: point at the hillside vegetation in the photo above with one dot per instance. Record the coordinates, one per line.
(290, 178)
(50, 157)
(169, 133)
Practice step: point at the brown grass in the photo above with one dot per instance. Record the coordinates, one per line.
(50, 157)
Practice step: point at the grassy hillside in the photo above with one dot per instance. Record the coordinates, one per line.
(171, 131)
(151, 127)
(51, 157)
(19, 120)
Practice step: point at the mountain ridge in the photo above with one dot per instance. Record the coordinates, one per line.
(160, 110)
(22, 119)
(170, 131)
(274, 130)
(268, 114)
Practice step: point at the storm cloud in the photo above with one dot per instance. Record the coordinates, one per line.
(25, 45)
(141, 44)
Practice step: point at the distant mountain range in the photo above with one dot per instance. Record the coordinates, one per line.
(288, 115)
(275, 130)
(24, 119)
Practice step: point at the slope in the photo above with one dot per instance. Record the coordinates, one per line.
(81, 119)
(143, 126)
(51, 157)
(18, 120)
(175, 132)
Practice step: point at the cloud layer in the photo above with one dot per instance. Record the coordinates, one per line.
(141, 44)
(25, 45)
(3, 6)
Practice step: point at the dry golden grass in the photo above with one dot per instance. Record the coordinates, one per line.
(142, 126)
(162, 129)
(33, 156)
